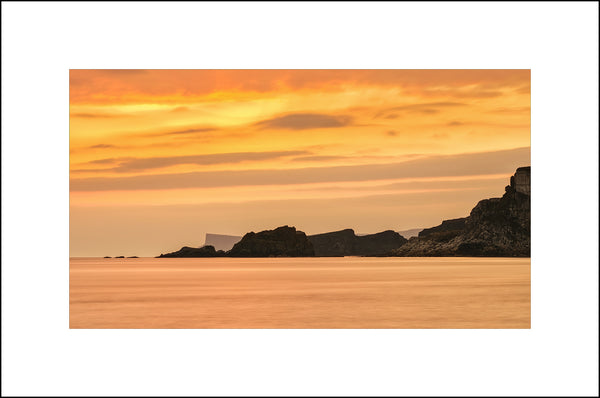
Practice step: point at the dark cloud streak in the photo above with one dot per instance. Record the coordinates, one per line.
(319, 158)
(303, 121)
(126, 165)
(427, 108)
(190, 131)
(472, 93)
(106, 161)
(99, 115)
(511, 110)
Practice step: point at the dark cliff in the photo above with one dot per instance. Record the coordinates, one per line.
(457, 224)
(186, 251)
(347, 243)
(281, 242)
(497, 227)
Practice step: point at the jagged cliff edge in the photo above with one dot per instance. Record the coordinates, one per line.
(497, 227)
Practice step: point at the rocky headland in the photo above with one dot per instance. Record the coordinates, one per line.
(281, 242)
(496, 227)
(347, 243)
(204, 251)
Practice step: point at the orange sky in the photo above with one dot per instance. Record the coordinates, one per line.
(160, 157)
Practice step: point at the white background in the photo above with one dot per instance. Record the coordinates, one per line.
(41, 356)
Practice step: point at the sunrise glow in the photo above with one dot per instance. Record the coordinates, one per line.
(161, 157)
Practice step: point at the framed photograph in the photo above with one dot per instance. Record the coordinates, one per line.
(299, 199)
(311, 199)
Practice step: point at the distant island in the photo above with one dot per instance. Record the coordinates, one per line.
(496, 227)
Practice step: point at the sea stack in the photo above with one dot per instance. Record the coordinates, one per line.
(281, 242)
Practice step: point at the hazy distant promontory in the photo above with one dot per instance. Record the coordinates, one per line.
(221, 242)
(496, 227)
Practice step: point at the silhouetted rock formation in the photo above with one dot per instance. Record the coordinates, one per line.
(221, 242)
(204, 251)
(347, 243)
(455, 225)
(281, 242)
(497, 227)
(521, 181)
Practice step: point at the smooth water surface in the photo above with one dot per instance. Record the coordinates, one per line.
(348, 292)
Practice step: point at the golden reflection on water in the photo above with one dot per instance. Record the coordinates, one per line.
(314, 293)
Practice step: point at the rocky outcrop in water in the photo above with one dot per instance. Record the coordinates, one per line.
(497, 227)
(204, 251)
(281, 242)
(347, 243)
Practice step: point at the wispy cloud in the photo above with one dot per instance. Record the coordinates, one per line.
(433, 166)
(100, 115)
(318, 158)
(142, 164)
(107, 161)
(102, 146)
(102, 170)
(526, 89)
(475, 92)
(427, 108)
(130, 85)
(518, 109)
(189, 131)
(195, 132)
(302, 121)
(180, 109)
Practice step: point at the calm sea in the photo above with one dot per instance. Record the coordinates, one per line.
(348, 292)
